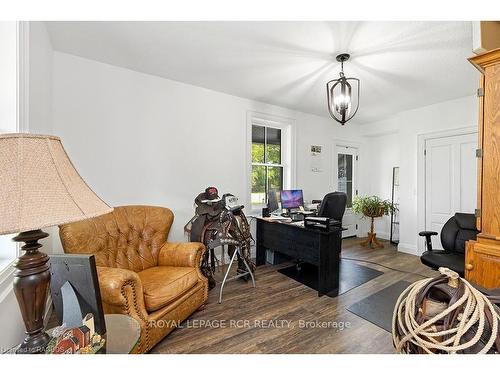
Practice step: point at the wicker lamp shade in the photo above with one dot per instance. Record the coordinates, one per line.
(40, 187)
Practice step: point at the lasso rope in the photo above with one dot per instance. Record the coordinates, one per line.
(406, 330)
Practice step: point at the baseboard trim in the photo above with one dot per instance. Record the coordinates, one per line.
(384, 235)
(408, 248)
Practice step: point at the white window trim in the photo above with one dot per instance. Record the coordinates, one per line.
(288, 162)
(22, 121)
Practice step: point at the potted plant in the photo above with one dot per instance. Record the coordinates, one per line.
(372, 207)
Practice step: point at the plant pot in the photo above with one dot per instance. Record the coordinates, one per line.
(374, 213)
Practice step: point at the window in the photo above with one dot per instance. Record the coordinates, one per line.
(8, 112)
(267, 163)
(9, 251)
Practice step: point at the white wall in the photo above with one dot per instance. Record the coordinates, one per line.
(141, 139)
(40, 79)
(403, 129)
(40, 97)
(325, 132)
(383, 153)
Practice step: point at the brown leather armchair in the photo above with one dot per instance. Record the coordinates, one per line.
(140, 274)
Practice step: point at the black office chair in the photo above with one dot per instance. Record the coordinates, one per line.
(333, 205)
(457, 230)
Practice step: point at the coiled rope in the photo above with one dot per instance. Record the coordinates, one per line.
(406, 330)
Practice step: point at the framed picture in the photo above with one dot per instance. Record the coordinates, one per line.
(75, 290)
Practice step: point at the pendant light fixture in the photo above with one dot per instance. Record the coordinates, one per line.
(343, 94)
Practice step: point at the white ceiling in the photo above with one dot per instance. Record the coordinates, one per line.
(401, 65)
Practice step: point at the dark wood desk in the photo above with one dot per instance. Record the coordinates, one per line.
(313, 246)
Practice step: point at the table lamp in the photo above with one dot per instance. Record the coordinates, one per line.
(39, 188)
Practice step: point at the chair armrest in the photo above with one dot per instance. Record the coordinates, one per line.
(427, 234)
(121, 292)
(186, 254)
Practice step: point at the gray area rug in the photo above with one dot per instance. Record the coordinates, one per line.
(378, 307)
(351, 275)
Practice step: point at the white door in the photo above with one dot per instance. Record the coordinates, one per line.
(347, 160)
(450, 180)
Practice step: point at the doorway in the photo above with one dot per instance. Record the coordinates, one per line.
(450, 179)
(347, 161)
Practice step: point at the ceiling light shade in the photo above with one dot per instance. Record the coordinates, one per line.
(342, 94)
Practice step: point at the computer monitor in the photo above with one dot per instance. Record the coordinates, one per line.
(272, 201)
(292, 199)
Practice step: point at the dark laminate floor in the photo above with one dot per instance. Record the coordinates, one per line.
(282, 300)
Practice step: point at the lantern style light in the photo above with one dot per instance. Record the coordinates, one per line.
(343, 94)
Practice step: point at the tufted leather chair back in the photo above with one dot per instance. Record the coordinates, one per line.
(130, 237)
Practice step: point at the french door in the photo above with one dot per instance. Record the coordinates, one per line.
(347, 160)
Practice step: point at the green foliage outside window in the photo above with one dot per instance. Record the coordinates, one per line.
(257, 153)
(258, 184)
(273, 154)
(265, 177)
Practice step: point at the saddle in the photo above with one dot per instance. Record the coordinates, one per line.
(219, 222)
(468, 318)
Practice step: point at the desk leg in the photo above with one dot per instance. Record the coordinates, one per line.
(329, 265)
(260, 250)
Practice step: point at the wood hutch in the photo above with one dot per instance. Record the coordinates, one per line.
(482, 260)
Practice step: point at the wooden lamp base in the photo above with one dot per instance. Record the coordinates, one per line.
(31, 284)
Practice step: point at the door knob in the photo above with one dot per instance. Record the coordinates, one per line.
(469, 267)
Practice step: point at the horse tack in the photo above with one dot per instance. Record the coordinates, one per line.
(217, 224)
(464, 320)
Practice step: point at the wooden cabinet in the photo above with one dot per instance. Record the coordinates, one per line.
(482, 261)
(482, 264)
